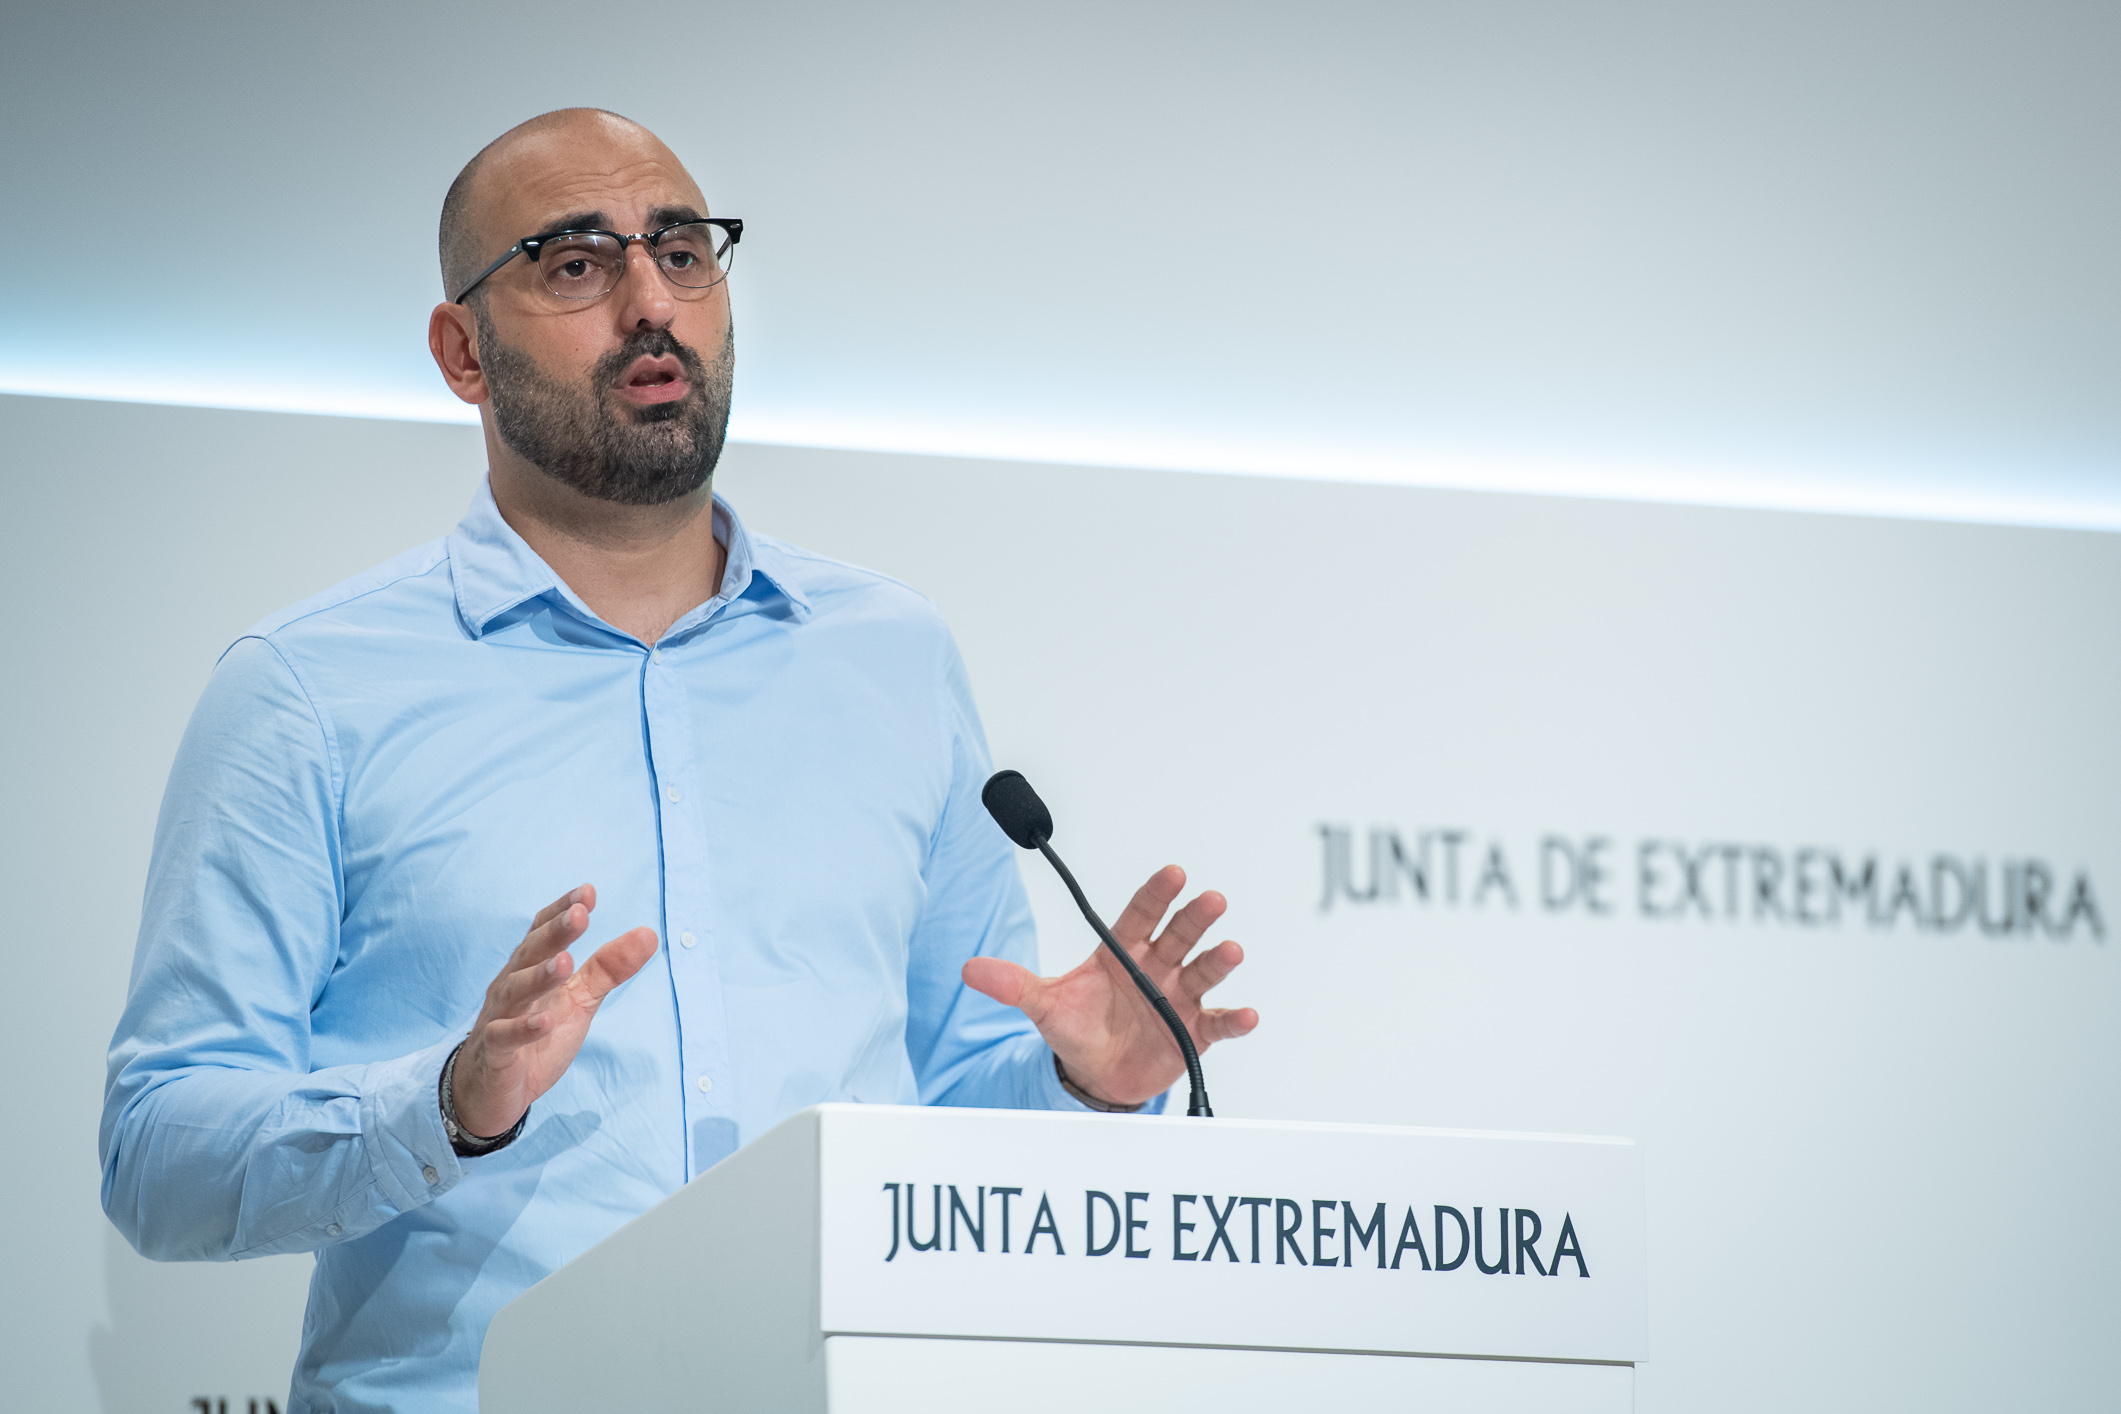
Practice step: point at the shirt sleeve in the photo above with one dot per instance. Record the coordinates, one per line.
(968, 1049)
(218, 1139)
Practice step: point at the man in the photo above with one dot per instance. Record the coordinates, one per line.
(341, 1039)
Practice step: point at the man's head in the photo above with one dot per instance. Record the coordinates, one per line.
(623, 397)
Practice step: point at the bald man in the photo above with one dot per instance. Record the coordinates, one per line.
(359, 1022)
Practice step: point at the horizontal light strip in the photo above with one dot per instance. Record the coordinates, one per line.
(1833, 491)
(219, 393)
(1830, 491)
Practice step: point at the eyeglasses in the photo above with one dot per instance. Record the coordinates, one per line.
(693, 255)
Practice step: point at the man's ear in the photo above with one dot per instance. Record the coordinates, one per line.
(453, 339)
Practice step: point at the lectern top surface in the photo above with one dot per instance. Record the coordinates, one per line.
(1168, 1121)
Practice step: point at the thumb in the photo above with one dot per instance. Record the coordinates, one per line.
(615, 962)
(1004, 981)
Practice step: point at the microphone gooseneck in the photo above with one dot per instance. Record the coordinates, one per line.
(1024, 818)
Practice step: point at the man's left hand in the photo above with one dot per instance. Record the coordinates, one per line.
(1110, 1041)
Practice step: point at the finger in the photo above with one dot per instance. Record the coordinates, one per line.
(1007, 983)
(1225, 1025)
(503, 1038)
(614, 962)
(1186, 927)
(515, 993)
(1207, 971)
(551, 937)
(585, 894)
(1146, 909)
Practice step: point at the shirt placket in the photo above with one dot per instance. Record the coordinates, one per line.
(689, 940)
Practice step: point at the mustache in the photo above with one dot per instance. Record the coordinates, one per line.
(647, 343)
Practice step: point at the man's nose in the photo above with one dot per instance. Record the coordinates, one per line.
(643, 294)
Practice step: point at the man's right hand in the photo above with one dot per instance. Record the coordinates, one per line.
(537, 1012)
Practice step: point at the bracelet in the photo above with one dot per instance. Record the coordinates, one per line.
(1103, 1107)
(462, 1141)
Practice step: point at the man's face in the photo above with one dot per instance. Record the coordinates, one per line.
(624, 398)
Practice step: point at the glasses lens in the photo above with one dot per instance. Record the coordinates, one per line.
(581, 266)
(693, 255)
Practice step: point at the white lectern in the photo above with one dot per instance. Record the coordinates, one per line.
(859, 1259)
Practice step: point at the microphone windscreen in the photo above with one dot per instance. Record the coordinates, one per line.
(1017, 809)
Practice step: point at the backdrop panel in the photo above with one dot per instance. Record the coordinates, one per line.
(1779, 843)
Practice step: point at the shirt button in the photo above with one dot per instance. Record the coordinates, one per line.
(672, 795)
(687, 940)
(430, 1175)
(334, 1230)
(655, 655)
(706, 1084)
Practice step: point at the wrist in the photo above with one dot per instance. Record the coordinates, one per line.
(1102, 1106)
(482, 1098)
(462, 1139)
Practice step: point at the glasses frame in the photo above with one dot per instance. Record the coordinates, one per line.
(732, 226)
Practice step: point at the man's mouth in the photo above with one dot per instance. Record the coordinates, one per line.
(654, 380)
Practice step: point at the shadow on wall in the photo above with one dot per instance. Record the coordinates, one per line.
(181, 1332)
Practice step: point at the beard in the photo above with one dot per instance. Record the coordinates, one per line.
(581, 437)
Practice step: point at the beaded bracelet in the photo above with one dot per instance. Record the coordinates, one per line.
(466, 1144)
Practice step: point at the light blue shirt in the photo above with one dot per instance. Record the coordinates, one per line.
(380, 787)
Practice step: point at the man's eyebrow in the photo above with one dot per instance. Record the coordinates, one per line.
(662, 216)
(574, 221)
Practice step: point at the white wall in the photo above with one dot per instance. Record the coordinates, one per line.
(140, 541)
(1838, 252)
(1878, 1158)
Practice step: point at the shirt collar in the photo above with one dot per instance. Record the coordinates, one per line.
(495, 570)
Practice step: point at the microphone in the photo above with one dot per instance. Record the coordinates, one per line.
(1025, 819)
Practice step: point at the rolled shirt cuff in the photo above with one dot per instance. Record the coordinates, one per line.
(401, 1126)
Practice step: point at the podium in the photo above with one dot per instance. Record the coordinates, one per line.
(870, 1259)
